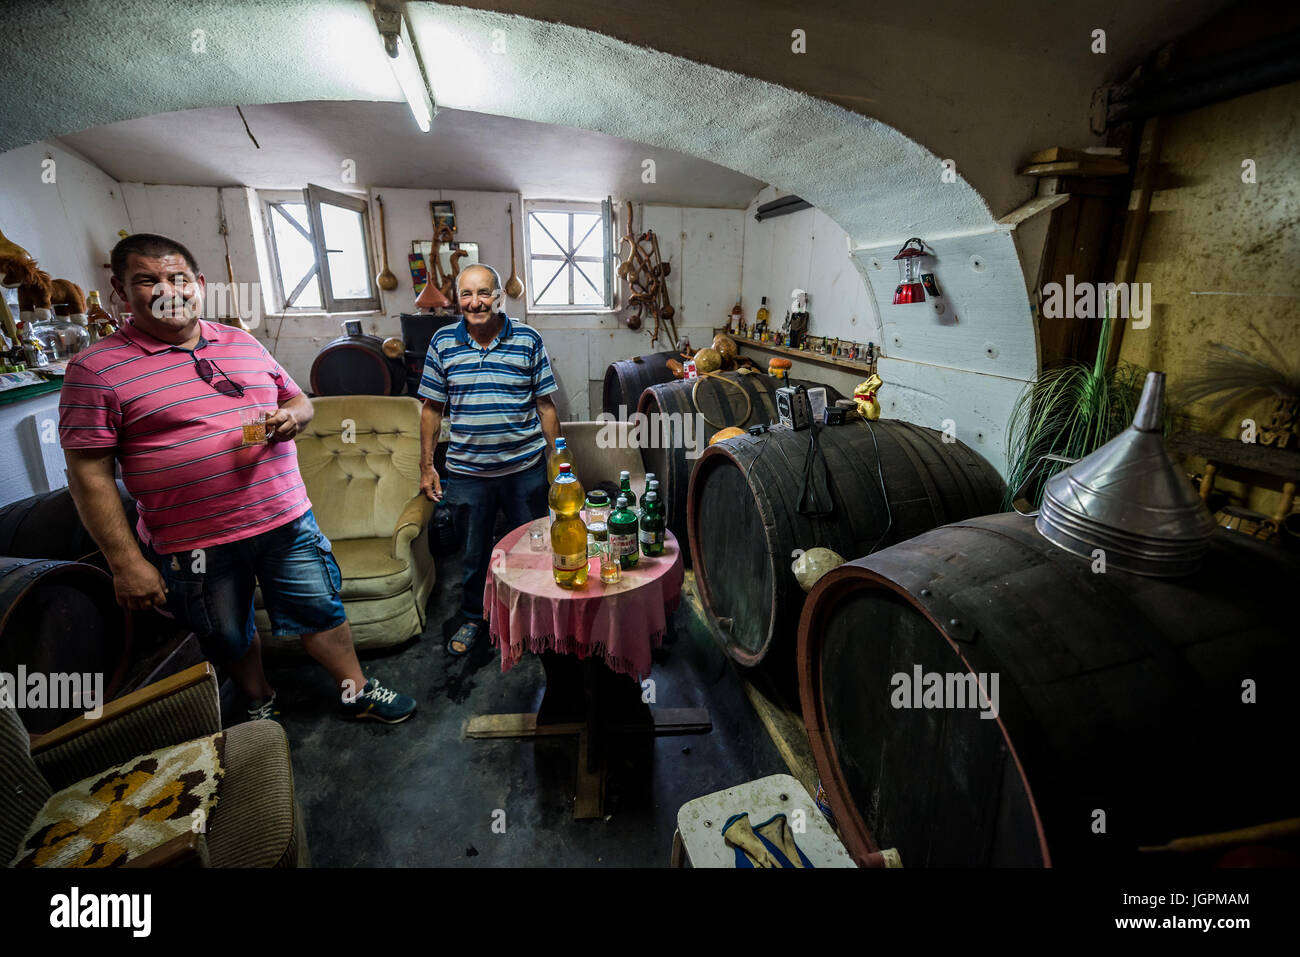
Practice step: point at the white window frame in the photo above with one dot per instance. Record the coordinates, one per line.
(310, 197)
(605, 226)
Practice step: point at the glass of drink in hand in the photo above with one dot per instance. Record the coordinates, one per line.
(254, 423)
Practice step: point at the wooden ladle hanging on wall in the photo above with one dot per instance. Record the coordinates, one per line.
(514, 285)
(385, 280)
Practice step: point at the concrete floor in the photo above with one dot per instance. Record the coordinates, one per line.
(421, 794)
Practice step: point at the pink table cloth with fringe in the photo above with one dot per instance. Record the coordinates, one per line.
(619, 623)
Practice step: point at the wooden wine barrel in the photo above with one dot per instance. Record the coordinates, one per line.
(722, 406)
(1121, 716)
(626, 379)
(48, 526)
(61, 618)
(356, 365)
(887, 481)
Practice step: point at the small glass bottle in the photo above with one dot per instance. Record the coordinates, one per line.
(652, 525)
(625, 490)
(97, 317)
(597, 517)
(760, 317)
(623, 534)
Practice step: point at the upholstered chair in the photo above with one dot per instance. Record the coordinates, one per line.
(594, 464)
(359, 458)
(256, 820)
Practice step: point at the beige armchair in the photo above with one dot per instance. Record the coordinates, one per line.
(593, 464)
(359, 459)
(256, 822)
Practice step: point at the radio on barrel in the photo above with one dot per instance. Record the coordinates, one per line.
(793, 409)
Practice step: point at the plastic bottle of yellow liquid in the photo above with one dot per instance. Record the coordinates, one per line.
(554, 460)
(568, 531)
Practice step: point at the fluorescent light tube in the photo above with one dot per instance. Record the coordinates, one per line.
(410, 78)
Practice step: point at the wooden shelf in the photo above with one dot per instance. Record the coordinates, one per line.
(835, 362)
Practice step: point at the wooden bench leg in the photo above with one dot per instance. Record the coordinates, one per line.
(679, 851)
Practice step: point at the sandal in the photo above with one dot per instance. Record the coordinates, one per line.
(465, 636)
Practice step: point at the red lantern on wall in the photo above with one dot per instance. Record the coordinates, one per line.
(910, 288)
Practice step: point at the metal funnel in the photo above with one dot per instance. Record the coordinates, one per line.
(1131, 500)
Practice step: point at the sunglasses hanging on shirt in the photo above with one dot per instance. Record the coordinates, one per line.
(206, 368)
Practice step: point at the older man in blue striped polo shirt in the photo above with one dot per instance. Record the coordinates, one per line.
(493, 376)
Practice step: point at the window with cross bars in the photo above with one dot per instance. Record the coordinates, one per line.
(568, 256)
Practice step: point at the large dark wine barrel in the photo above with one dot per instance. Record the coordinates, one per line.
(48, 526)
(722, 405)
(1130, 710)
(887, 481)
(626, 379)
(356, 365)
(60, 621)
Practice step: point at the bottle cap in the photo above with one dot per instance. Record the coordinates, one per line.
(560, 444)
(649, 477)
(564, 468)
(622, 501)
(653, 485)
(598, 498)
(624, 475)
(652, 496)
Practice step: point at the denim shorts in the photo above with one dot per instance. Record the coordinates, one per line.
(210, 590)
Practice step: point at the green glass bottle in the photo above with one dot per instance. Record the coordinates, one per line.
(625, 490)
(623, 534)
(652, 524)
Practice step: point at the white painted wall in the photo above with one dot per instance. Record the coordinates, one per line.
(70, 225)
(703, 245)
(967, 364)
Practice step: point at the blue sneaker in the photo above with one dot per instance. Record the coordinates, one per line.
(382, 704)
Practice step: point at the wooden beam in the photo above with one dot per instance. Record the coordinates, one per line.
(1135, 223)
(787, 732)
(157, 691)
(1284, 463)
(517, 726)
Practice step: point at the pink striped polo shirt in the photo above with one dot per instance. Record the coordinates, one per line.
(178, 438)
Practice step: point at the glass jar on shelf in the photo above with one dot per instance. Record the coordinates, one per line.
(59, 335)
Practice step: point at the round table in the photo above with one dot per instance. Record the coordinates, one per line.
(619, 623)
(595, 644)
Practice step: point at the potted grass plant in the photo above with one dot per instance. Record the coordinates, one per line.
(1069, 411)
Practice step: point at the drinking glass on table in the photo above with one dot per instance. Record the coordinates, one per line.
(611, 572)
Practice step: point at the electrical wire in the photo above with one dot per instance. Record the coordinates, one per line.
(883, 490)
(810, 479)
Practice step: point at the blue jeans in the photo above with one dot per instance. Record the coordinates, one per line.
(211, 589)
(473, 503)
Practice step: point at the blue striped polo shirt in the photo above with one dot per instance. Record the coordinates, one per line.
(491, 396)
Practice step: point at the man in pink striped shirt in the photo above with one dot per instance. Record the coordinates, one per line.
(166, 397)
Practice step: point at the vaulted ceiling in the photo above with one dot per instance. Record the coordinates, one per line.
(310, 142)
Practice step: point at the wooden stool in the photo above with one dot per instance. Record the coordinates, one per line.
(698, 837)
